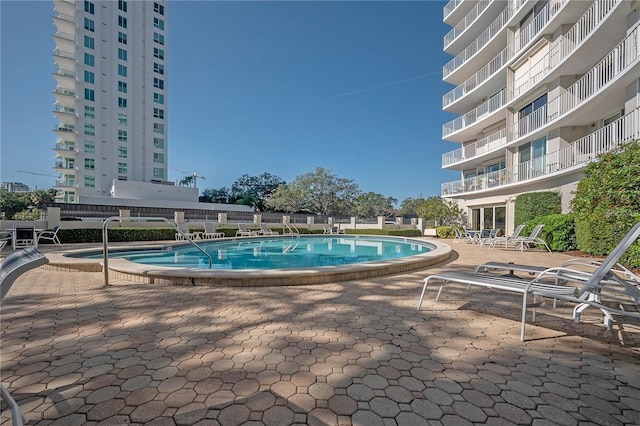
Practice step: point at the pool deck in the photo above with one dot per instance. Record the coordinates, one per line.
(75, 352)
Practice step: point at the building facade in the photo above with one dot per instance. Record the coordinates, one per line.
(111, 94)
(540, 89)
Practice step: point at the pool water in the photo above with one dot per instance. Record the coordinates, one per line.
(282, 252)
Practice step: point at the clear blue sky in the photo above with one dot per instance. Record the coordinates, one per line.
(254, 87)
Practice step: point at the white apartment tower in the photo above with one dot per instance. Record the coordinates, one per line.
(540, 89)
(111, 95)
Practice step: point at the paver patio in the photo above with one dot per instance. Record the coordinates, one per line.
(77, 352)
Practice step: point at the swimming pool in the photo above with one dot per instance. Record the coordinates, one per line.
(283, 260)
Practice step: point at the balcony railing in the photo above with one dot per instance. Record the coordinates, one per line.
(64, 17)
(64, 146)
(466, 21)
(578, 153)
(494, 103)
(63, 165)
(65, 128)
(566, 45)
(478, 78)
(62, 109)
(528, 33)
(63, 54)
(607, 70)
(66, 36)
(486, 144)
(450, 7)
(65, 73)
(66, 92)
(62, 183)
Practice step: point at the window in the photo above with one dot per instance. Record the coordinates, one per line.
(89, 129)
(90, 181)
(158, 173)
(158, 38)
(158, 8)
(158, 98)
(158, 23)
(159, 68)
(122, 103)
(158, 83)
(89, 77)
(89, 164)
(122, 70)
(89, 146)
(89, 95)
(122, 119)
(533, 106)
(122, 151)
(158, 157)
(89, 111)
(158, 143)
(122, 168)
(122, 37)
(89, 24)
(158, 113)
(89, 42)
(531, 159)
(89, 60)
(89, 7)
(122, 54)
(532, 116)
(158, 53)
(122, 87)
(122, 135)
(158, 128)
(122, 5)
(122, 21)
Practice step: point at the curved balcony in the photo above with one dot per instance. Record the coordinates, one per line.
(64, 166)
(65, 78)
(65, 184)
(594, 20)
(574, 156)
(453, 129)
(65, 148)
(476, 150)
(64, 60)
(65, 41)
(474, 82)
(455, 10)
(64, 22)
(457, 37)
(625, 57)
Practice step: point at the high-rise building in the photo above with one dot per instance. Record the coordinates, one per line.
(111, 95)
(541, 88)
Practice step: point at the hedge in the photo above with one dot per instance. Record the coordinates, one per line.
(559, 231)
(532, 205)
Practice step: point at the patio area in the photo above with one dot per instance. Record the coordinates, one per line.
(75, 352)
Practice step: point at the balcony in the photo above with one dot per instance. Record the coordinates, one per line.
(65, 147)
(621, 59)
(566, 45)
(65, 128)
(65, 165)
(476, 115)
(469, 18)
(65, 183)
(485, 145)
(569, 158)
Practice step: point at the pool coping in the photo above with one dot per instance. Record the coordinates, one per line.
(126, 270)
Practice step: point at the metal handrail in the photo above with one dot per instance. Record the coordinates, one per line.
(105, 239)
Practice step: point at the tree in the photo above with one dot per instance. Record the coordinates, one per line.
(444, 212)
(373, 205)
(409, 206)
(13, 202)
(220, 195)
(286, 198)
(254, 190)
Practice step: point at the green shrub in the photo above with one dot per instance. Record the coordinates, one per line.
(390, 232)
(535, 204)
(607, 203)
(559, 231)
(115, 235)
(446, 231)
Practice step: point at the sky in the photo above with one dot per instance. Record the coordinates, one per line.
(263, 87)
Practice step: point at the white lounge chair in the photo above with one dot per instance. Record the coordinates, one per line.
(49, 235)
(266, 231)
(531, 240)
(587, 289)
(210, 232)
(507, 239)
(243, 231)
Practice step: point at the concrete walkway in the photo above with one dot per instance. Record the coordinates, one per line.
(354, 353)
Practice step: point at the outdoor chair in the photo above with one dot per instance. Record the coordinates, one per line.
(11, 267)
(507, 239)
(210, 232)
(531, 240)
(49, 235)
(488, 236)
(266, 231)
(243, 231)
(603, 288)
(25, 237)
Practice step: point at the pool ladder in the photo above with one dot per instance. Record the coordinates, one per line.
(105, 238)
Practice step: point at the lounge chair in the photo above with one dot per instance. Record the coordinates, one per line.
(488, 236)
(266, 231)
(49, 235)
(531, 240)
(459, 235)
(243, 231)
(586, 289)
(25, 237)
(210, 232)
(507, 239)
(11, 267)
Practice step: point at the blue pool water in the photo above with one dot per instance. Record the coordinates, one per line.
(282, 252)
